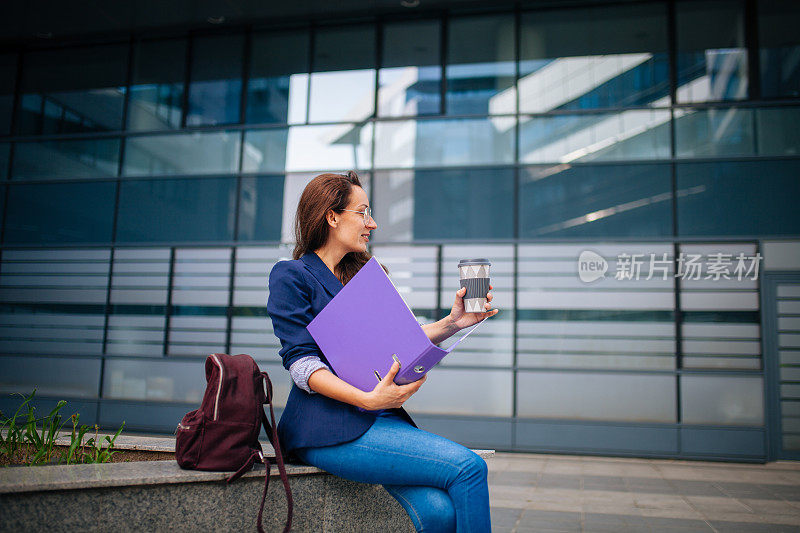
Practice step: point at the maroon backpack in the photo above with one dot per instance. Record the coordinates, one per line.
(223, 434)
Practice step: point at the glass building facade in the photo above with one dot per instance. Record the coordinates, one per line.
(147, 186)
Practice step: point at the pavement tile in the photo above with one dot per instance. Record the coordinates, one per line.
(505, 517)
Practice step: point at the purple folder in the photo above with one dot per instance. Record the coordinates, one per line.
(366, 324)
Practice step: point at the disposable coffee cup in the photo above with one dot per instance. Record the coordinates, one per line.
(475, 277)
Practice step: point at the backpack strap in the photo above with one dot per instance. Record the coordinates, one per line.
(272, 435)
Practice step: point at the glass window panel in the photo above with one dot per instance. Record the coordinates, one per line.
(721, 345)
(254, 336)
(598, 201)
(140, 277)
(425, 203)
(8, 77)
(464, 392)
(136, 334)
(198, 335)
(343, 81)
(277, 90)
(201, 277)
(154, 380)
(711, 58)
(434, 143)
(481, 65)
(413, 271)
(629, 135)
(91, 101)
(308, 148)
(156, 99)
(714, 132)
(60, 213)
(620, 59)
(776, 130)
(192, 153)
(41, 329)
(596, 396)
(779, 46)
(80, 158)
(252, 265)
(722, 400)
(260, 208)
(738, 198)
(215, 92)
(62, 276)
(176, 210)
(5, 156)
(410, 78)
(50, 376)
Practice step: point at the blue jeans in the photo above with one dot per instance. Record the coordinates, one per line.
(441, 485)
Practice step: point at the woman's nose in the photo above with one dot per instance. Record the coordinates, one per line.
(372, 224)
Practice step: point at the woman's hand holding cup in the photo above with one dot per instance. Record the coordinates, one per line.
(460, 319)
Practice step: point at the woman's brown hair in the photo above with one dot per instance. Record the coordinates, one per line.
(323, 193)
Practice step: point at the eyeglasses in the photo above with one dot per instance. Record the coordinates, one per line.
(366, 212)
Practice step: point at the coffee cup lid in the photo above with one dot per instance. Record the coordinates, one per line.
(473, 262)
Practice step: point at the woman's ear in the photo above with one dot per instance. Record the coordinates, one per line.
(332, 219)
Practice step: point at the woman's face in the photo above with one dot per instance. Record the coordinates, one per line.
(350, 231)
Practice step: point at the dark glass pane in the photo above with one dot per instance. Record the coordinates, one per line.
(194, 153)
(619, 60)
(176, 210)
(8, 76)
(73, 90)
(60, 213)
(779, 42)
(739, 198)
(777, 132)
(343, 81)
(410, 78)
(424, 201)
(480, 65)
(261, 208)
(215, 93)
(712, 59)
(714, 132)
(595, 201)
(634, 134)
(157, 87)
(81, 158)
(5, 154)
(277, 91)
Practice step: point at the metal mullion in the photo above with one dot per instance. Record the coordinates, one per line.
(312, 42)
(515, 348)
(672, 53)
(229, 311)
(168, 310)
(751, 42)
(438, 313)
(248, 45)
(187, 78)
(443, 35)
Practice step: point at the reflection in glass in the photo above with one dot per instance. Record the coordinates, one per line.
(304, 148)
(779, 44)
(620, 59)
(410, 77)
(714, 132)
(184, 153)
(156, 99)
(424, 201)
(40, 330)
(5, 154)
(712, 59)
(456, 391)
(176, 210)
(598, 201)
(444, 142)
(343, 81)
(480, 66)
(81, 158)
(738, 198)
(153, 380)
(8, 76)
(777, 132)
(260, 208)
(637, 134)
(277, 90)
(596, 396)
(60, 213)
(57, 377)
(215, 91)
(54, 99)
(722, 400)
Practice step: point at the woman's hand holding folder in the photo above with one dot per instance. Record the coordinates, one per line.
(387, 394)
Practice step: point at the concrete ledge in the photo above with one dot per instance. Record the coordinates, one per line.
(160, 496)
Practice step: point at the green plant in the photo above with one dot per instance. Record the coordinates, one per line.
(38, 446)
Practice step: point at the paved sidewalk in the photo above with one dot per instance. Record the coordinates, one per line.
(548, 493)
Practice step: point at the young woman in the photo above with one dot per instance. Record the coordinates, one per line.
(328, 423)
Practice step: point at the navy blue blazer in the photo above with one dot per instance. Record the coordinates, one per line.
(298, 291)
